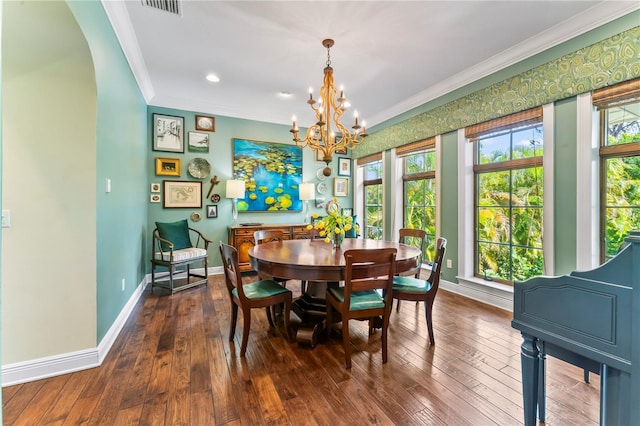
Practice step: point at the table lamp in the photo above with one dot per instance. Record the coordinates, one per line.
(235, 190)
(307, 192)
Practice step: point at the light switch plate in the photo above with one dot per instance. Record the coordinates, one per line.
(449, 264)
(6, 218)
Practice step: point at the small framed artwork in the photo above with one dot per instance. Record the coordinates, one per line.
(347, 212)
(340, 187)
(344, 166)
(178, 194)
(320, 202)
(154, 198)
(167, 166)
(341, 151)
(212, 211)
(198, 142)
(155, 187)
(319, 156)
(168, 133)
(205, 123)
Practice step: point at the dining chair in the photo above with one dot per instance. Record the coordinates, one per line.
(262, 236)
(414, 238)
(412, 288)
(258, 294)
(365, 272)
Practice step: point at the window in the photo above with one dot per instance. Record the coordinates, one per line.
(372, 184)
(508, 197)
(619, 164)
(419, 191)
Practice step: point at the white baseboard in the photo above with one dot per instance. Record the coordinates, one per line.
(56, 365)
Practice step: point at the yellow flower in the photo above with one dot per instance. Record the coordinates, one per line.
(315, 215)
(309, 227)
(327, 240)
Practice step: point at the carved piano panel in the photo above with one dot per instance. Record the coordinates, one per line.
(590, 319)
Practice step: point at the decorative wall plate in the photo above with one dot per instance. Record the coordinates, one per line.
(199, 168)
(196, 216)
(215, 198)
(321, 188)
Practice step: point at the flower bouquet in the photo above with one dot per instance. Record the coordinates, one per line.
(333, 226)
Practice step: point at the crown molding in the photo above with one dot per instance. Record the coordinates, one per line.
(121, 23)
(595, 17)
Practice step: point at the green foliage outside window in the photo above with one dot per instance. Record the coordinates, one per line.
(420, 199)
(373, 201)
(622, 178)
(509, 207)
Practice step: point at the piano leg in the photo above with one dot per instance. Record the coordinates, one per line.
(530, 363)
(615, 399)
(542, 382)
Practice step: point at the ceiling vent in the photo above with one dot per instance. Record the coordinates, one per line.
(171, 6)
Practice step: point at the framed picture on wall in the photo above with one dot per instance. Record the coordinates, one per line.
(273, 173)
(168, 133)
(344, 166)
(198, 142)
(212, 211)
(178, 194)
(167, 166)
(205, 123)
(340, 187)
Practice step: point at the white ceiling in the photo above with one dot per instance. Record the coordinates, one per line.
(389, 55)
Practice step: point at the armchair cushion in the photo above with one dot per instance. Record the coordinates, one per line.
(183, 254)
(360, 300)
(176, 232)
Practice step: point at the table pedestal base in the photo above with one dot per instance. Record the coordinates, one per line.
(311, 308)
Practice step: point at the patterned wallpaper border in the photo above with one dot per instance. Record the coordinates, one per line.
(607, 62)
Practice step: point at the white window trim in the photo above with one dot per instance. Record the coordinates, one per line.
(397, 206)
(358, 196)
(466, 232)
(588, 185)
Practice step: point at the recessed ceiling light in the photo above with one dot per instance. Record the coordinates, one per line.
(213, 78)
(285, 94)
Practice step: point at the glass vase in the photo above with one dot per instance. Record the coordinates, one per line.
(337, 240)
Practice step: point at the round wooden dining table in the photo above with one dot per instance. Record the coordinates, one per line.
(317, 262)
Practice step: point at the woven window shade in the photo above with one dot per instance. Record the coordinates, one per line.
(369, 159)
(410, 148)
(616, 95)
(523, 118)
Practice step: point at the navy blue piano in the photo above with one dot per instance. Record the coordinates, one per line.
(590, 319)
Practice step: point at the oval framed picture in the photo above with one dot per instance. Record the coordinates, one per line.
(205, 123)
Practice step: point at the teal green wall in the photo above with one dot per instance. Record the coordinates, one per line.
(565, 184)
(121, 154)
(220, 158)
(449, 201)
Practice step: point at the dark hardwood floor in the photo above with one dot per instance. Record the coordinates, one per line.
(172, 364)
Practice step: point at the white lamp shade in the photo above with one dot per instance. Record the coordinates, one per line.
(307, 191)
(235, 188)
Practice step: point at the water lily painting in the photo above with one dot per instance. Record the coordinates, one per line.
(272, 172)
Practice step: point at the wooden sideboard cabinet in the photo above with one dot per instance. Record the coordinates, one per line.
(241, 237)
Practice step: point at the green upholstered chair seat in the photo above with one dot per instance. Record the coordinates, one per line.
(261, 289)
(360, 300)
(410, 284)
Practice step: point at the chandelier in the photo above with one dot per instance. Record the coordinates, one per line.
(328, 134)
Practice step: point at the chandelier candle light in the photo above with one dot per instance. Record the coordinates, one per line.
(235, 190)
(307, 191)
(330, 135)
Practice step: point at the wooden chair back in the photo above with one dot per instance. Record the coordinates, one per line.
(232, 276)
(267, 235)
(369, 270)
(436, 267)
